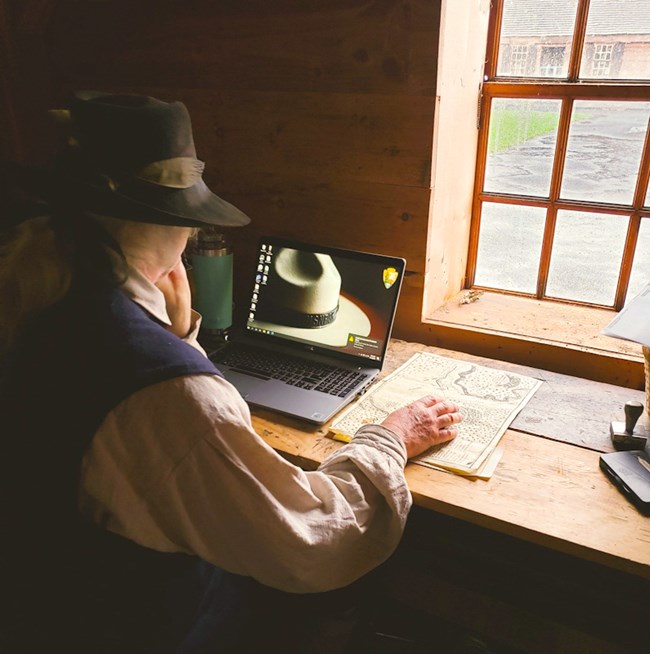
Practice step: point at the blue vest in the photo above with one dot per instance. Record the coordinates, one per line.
(78, 584)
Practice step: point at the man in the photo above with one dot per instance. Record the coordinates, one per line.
(146, 514)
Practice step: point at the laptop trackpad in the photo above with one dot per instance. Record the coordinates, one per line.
(244, 383)
(278, 396)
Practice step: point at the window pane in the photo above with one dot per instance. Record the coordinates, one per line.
(604, 151)
(641, 266)
(536, 38)
(521, 144)
(509, 246)
(586, 257)
(617, 43)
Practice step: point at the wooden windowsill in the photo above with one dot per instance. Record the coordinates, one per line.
(551, 335)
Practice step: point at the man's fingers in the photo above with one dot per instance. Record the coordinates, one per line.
(447, 434)
(445, 407)
(439, 404)
(447, 419)
(431, 400)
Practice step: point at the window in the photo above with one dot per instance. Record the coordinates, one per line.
(552, 61)
(561, 207)
(518, 60)
(602, 61)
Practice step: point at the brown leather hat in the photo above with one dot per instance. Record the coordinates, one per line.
(133, 157)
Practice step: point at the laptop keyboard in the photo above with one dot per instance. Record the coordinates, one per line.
(291, 370)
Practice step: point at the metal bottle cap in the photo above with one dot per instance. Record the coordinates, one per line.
(210, 243)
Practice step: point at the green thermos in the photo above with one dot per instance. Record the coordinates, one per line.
(212, 273)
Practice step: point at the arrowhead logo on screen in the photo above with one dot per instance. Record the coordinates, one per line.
(390, 276)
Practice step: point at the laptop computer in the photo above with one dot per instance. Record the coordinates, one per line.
(316, 329)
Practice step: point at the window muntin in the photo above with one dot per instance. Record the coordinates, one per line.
(641, 266)
(591, 164)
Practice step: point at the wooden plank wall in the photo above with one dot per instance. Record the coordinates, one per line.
(314, 117)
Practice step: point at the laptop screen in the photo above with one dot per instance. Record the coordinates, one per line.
(328, 299)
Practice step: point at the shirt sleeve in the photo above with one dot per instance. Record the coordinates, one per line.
(179, 467)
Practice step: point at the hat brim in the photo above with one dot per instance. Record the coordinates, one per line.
(350, 319)
(141, 201)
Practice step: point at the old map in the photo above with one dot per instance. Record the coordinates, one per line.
(489, 400)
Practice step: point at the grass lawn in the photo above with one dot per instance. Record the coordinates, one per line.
(510, 127)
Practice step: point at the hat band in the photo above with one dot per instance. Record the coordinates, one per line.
(178, 172)
(292, 318)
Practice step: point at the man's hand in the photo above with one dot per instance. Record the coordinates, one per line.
(176, 289)
(424, 423)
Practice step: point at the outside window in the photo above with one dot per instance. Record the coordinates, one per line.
(602, 62)
(561, 204)
(518, 60)
(552, 60)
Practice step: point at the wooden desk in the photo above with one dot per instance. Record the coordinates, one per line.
(546, 494)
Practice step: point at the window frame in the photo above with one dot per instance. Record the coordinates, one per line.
(567, 90)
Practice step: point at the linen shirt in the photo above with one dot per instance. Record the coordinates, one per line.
(178, 467)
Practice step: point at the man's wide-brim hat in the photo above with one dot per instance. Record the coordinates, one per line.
(133, 157)
(303, 299)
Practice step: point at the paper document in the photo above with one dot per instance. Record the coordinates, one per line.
(632, 323)
(489, 400)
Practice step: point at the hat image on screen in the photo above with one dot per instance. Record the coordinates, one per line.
(303, 299)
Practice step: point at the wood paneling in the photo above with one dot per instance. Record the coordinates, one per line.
(373, 46)
(322, 136)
